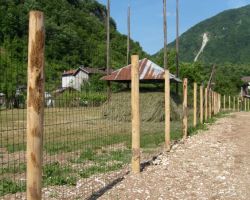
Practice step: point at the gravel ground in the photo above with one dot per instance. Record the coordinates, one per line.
(214, 164)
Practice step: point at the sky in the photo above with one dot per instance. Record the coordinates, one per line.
(147, 20)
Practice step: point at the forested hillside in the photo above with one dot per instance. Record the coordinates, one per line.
(75, 35)
(228, 47)
(228, 38)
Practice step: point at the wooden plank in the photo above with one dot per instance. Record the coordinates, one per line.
(135, 114)
(185, 109)
(35, 105)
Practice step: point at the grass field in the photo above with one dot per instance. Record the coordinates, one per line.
(78, 143)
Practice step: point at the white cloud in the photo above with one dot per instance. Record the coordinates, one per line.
(236, 3)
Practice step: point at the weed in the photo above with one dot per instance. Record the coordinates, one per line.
(54, 174)
(9, 186)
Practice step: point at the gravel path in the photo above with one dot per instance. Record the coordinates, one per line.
(214, 164)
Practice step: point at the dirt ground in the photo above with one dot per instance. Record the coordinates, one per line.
(214, 164)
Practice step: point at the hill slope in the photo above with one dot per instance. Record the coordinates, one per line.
(226, 38)
(75, 35)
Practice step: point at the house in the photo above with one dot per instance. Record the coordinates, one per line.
(2, 99)
(76, 78)
(148, 72)
(246, 86)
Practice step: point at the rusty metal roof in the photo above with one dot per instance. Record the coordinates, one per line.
(147, 71)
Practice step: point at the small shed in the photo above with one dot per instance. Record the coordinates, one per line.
(148, 72)
(75, 78)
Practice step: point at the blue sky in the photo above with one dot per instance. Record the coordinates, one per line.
(146, 17)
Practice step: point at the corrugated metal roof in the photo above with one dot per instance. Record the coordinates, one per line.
(88, 70)
(246, 79)
(148, 70)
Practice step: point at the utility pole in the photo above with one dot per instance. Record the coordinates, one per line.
(177, 44)
(165, 34)
(128, 38)
(108, 46)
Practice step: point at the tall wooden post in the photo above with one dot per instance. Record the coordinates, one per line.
(167, 110)
(201, 104)
(177, 44)
(128, 37)
(108, 47)
(185, 109)
(135, 114)
(206, 104)
(167, 80)
(229, 103)
(35, 104)
(195, 105)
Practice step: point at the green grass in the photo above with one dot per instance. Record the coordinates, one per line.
(8, 186)
(13, 169)
(54, 174)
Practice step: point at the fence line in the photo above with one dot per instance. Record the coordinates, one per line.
(83, 141)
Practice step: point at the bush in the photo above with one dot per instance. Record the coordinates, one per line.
(76, 99)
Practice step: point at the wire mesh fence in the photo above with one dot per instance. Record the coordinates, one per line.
(87, 131)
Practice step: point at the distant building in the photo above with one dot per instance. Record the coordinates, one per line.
(76, 78)
(245, 86)
(148, 72)
(2, 99)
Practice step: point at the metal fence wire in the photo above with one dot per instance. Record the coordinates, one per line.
(87, 130)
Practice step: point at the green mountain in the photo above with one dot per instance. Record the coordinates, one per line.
(75, 35)
(228, 35)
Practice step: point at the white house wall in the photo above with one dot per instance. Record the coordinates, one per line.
(75, 81)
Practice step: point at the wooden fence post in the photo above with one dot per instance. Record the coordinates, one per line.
(215, 105)
(234, 104)
(167, 110)
(195, 104)
(245, 102)
(229, 103)
(35, 105)
(135, 105)
(248, 105)
(185, 109)
(224, 103)
(201, 104)
(210, 103)
(206, 104)
(238, 104)
(219, 102)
